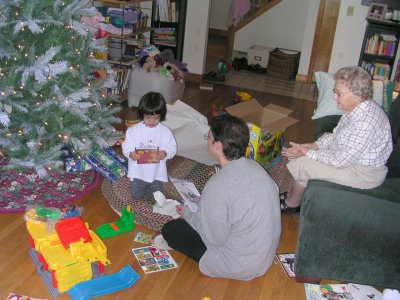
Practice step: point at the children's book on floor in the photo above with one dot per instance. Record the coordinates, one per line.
(287, 262)
(348, 291)
(13, 296)
(144, 238)
(152, 259)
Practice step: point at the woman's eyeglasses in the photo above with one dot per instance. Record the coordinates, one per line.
(339, 94)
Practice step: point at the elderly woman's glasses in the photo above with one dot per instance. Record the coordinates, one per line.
(339, 94)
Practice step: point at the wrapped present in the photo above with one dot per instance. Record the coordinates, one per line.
(73, 165)
(108, 163)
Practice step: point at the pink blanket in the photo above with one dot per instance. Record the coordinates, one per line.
(239, 9)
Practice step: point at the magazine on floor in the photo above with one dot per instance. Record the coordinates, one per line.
(287, 262)
(349, 291)
(152, 259)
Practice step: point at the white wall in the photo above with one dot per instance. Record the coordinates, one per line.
(282, 26)
(349, 35)
(219, 14)
(308, 37)
(196, 34)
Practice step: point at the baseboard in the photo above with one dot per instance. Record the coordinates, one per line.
(217, 32)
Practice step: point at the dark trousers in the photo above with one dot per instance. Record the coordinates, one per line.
(182, 237)
(140, 188)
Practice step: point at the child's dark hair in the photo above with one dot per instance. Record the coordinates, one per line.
(152, 103)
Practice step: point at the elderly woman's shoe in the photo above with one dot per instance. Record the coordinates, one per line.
(288, 210)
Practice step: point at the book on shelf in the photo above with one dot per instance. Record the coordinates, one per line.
(348, 291)
(378, 71)
(152, 259)
(381, 44)
(166, 11)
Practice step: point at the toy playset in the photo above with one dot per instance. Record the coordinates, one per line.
(125, 224)
(71, 257)
(66, 255)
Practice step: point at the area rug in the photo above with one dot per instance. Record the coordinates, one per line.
(118, 193)
(21, 189)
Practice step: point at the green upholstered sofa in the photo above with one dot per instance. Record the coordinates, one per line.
(349, 234)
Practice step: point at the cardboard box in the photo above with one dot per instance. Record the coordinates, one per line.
(267, 128)
(258, 55)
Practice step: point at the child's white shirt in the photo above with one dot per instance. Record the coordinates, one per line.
(141, 136)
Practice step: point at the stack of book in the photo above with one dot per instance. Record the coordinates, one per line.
(165, 36)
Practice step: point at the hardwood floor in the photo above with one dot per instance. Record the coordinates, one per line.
(186, 282)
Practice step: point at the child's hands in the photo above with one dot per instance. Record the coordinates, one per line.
(134, 156)
(162, 155)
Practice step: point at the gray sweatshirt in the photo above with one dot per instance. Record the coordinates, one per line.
(239, 221)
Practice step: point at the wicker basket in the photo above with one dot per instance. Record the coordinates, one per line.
(283, 63)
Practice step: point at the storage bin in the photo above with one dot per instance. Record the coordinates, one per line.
(116, 49)
(283, 63)
(258, 55)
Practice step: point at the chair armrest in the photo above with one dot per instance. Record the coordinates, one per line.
(389, 190)
(325, 124)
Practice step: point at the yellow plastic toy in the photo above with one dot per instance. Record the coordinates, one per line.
(244, 96)
(68, 253)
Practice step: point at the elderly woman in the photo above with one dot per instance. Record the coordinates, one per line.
(355, 153)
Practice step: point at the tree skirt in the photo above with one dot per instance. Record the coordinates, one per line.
(21, 189)
(118, 193)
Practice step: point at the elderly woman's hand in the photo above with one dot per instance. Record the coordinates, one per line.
(298, 150)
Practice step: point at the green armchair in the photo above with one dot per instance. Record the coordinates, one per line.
(349, 234)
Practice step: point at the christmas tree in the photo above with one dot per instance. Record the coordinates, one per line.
(49, 96)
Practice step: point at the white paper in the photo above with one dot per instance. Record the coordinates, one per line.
(189, 128)
(168, 209)
(188, 192)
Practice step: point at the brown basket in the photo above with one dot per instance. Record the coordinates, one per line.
(283, 63)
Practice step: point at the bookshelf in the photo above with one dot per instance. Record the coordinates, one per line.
(379, 48)
(120, 39)
(168, 23)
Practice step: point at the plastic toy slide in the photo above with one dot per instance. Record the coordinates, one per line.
(104, 285)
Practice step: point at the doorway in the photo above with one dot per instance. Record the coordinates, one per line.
(325, 30)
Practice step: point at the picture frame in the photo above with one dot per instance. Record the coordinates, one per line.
(377, 11)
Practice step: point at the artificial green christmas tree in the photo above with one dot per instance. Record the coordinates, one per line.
(49, 96)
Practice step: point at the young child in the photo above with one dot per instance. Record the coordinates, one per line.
(149, 134)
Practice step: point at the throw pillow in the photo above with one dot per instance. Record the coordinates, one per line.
(326, 104)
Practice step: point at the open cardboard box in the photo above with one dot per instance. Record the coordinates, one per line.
(267, 126)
